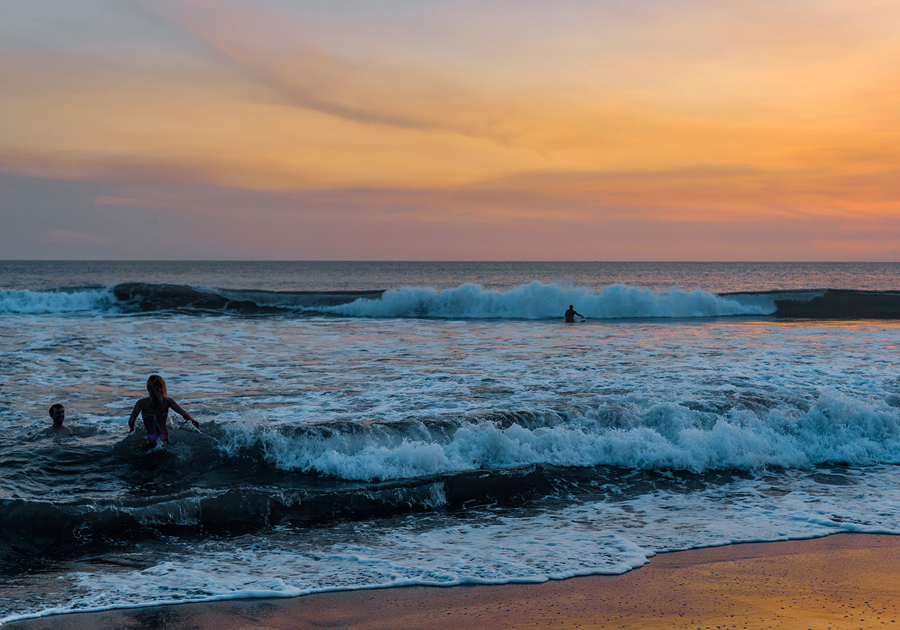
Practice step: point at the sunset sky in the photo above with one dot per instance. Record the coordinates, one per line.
(450, 130)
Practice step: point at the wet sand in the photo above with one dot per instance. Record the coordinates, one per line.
(841, 581)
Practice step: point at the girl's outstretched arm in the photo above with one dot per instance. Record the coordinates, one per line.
(184, 414)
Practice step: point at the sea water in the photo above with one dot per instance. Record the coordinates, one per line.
(370, 425)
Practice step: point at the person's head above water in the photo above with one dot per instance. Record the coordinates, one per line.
(156, 387)
(57, 414)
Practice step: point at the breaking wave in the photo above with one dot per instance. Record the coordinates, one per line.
(339, 470)
(665, 436)
(535, 301)
(548, 301)
(27, 302)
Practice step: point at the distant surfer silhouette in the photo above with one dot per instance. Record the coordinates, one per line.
(571, 313)
(154, 411)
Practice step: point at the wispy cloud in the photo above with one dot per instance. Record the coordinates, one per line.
(273, 50)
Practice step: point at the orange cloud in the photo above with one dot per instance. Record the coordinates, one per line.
(275, 53)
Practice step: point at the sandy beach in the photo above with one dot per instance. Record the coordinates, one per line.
(841, 581)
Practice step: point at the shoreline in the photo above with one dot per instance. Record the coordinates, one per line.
(841, 580)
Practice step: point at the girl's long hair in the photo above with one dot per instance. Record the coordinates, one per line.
(156, 387)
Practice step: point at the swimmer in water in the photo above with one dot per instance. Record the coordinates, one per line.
(58, 415)
(154, 411)
(571, 313)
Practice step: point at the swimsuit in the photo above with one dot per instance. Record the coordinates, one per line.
(158, 423)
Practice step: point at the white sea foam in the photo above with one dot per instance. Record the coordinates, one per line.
(663, 436)
(45, 302)
(546, 301)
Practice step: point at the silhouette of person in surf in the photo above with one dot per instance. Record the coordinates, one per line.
(571, 313)
(58, 415)
(154, 411)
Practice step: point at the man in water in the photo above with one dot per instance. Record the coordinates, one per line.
(58, 415)
(571, 313)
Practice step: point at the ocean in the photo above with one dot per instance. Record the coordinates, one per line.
(368, 425)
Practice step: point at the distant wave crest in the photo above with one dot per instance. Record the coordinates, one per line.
(535, 301)
(27, 302)
(548, 301)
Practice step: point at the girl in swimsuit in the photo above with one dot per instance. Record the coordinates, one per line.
(154, 411)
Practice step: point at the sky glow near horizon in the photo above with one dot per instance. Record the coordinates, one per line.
(438, 130)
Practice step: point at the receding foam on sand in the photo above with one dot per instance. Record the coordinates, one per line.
(841, 581)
